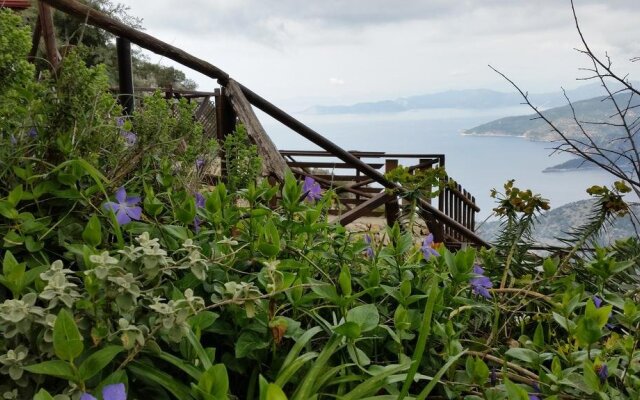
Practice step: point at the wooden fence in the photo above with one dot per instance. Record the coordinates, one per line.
(236, 101)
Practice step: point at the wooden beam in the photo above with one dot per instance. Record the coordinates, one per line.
(49, 34)
(271, 158)
(35, 40)
(365, 208)
(101, 20)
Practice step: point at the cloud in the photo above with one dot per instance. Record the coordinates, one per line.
(336, 81)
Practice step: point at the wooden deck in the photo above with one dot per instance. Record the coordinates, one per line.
(358, 176)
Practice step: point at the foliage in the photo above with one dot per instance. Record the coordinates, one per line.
(241, 159)
(204, 292)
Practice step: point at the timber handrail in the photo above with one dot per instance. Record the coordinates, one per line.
(101, 20)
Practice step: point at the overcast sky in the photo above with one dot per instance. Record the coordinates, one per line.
(342, 51)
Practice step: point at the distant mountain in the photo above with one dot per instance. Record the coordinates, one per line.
(555, 222)
(461, 99)
(594, 111)
(597, 115)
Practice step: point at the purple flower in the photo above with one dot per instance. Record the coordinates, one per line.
(199, 200)
(427, 248)
(603, 372)
(115, 391)
(32, 133)
(480, 284)
(199, 163)
(126, 208)
(196, 224)
(199, 204)
(369, 250)
(312, 189)
(597, 301)
(493, 377)
(129, 137)
(536, 390)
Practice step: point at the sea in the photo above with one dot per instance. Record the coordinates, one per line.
(478, 163)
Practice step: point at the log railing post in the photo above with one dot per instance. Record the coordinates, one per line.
(225, 124)
(391, 208)
(48, 33)
(125, 75)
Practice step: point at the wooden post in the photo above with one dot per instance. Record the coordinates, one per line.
(225, 124)
(272, 160)
(391, 208)
(35, 40)
(49, 34)
(125, 75)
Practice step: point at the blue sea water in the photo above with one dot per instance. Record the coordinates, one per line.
(477, 163)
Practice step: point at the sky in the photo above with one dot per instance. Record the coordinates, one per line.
(306, 52)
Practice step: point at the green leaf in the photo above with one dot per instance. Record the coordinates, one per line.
(480, 371)
(522, 354)
(344, 280)
(43, 395)
(67, 341)
(274, 392)
(349, 329)
(97, 361)
(247, 342)
(436, 378)
(15, 196)
(152, 374)
(7, 210)
(590, 377)
(538, 336)
(514, 391)
(366, 316)
(57, 368)
(215, 381)
(92, 234)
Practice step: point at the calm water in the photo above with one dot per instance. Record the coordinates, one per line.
(477, 163)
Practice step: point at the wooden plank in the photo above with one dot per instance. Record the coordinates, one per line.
(49, 35)
(271, 158)
(365, 207)
(327, 165)
(101, 20)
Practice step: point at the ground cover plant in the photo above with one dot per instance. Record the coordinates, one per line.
(124, 276)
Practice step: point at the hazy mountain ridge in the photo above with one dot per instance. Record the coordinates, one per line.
(457, 99)
(594, 112)
(555, 222)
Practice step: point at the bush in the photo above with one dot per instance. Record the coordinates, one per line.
(119, 267)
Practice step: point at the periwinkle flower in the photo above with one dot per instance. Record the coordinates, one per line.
(480, 284)
(369, 250)
(427, 248)
(597, 301)
(129, 137)
(32, 133)
(115, 391)
(126, 208)
(603, 372)
(312, 189)
(199, 163)
(199, 200)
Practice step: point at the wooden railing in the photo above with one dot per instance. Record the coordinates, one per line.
(236, 100)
